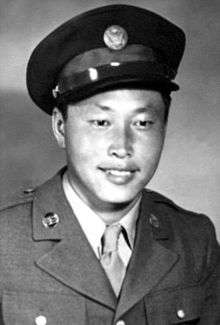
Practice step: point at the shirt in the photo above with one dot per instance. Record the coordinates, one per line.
(93, 226)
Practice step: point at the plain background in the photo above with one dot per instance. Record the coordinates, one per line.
(189, 169)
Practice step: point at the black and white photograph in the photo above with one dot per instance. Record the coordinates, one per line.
(109, 162)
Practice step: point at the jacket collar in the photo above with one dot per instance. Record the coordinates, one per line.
(71, 254)
(153, 257)
(50, 198)
(71, 260)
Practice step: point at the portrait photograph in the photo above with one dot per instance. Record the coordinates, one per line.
(109, 162)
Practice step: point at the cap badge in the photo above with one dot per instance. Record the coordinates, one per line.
(115, 37)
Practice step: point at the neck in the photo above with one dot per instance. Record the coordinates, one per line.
(107, 211)
(116, 212)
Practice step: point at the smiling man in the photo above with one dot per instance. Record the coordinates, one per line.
(113, 143)
(92, 245)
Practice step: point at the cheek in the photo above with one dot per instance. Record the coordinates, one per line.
(81, 146)
(150, 147)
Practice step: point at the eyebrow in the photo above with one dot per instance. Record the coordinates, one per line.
(143, 109)
(104, 108)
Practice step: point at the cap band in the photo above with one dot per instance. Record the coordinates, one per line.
(135, 62)
(114, 74)
(104, 55)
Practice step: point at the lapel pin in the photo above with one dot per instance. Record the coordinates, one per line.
(40, 320)
(154, 221)
(50, 220)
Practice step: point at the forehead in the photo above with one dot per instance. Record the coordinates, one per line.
(121, 101)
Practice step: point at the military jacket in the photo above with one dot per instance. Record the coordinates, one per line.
(49, 273)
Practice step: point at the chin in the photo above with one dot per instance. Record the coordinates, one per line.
(119, 197)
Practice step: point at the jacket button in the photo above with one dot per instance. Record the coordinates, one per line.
(50, 220)
(120, 322)
(29, 190)
(40, 320)
(154, 221)
(181, 314)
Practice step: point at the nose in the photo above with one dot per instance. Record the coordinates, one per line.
(121, 144)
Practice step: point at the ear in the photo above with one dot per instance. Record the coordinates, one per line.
(58, 125)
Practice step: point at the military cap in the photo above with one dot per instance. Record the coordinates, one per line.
(107, 47)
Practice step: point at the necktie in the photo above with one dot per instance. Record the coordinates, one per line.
(110, 259)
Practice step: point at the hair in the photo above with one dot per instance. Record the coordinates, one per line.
(167, 102)
(63, 107)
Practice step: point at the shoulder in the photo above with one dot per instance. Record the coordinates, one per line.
(17, 208)
(195, 229)
(15, 220)
(13, 200)
(177, 213)
(14, 205)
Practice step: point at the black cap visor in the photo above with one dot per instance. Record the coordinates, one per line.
(139, 75)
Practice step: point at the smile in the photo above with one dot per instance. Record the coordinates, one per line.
(117, 172)
(119, 176)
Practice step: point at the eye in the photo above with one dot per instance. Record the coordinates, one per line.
(100, 123)
(143, 124)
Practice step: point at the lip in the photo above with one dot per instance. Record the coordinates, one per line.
(119, 167)
(119, 175)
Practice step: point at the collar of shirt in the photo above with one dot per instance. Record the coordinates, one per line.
(93, 226)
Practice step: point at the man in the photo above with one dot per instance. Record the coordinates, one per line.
(91, 245)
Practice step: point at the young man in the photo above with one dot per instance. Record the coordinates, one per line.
(91, 245)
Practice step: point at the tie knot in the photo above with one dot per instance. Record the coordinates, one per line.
(110, 238)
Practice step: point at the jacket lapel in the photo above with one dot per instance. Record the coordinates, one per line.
(71, 260)
(150, 261)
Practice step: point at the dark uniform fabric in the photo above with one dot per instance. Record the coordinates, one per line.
(52, 272)
(107, 47)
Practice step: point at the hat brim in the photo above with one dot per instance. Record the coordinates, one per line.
(163, 86)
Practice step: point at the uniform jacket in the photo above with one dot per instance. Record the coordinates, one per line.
(172, 277)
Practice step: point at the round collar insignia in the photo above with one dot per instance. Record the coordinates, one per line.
(115, 37)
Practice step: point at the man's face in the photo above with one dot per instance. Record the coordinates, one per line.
(113, 143)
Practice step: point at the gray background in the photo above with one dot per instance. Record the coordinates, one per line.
(189, 168)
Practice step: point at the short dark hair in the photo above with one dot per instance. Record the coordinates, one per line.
(63, 107)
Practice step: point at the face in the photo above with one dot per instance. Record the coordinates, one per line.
(113, 143)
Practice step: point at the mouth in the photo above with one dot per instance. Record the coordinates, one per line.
(119, 175)
(119, 172)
